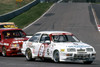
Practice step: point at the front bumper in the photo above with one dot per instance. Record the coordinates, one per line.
(14, 51)
(78, 57)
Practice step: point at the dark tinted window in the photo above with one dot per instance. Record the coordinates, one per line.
(14, 34)
(35, 38)
(64, 38)
(70, 38)
(44, 37)
(60, 38)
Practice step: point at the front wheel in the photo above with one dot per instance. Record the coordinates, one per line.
(4, 51)
(87, 62)
(56, 56)
(29, 55)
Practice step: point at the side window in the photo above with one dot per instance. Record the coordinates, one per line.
(35, 38)
(43, 38)
(70, 38)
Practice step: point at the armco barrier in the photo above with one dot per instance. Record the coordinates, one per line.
(10, 15)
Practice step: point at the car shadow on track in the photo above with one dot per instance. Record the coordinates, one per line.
(52, 62)
(13, 55)
(72, 63)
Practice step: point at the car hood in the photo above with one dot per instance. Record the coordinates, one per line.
(73, 45)
(15, 40)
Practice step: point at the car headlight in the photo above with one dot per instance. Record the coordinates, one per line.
(71, 50)
(89, 49)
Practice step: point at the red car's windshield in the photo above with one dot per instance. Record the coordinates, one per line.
(13, 34)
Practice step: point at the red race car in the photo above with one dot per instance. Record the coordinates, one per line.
(11, 41)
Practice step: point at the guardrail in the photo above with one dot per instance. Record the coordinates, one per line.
(6, 17)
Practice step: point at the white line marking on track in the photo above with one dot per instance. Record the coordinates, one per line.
(39, 18)
(59, 1)
(93, 11)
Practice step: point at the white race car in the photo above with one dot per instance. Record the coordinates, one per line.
(58, 46)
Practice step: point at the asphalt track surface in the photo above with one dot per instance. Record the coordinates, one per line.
(97, 10)
(73, 17)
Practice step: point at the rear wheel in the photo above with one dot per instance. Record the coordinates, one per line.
(88, 62)
(56, 56)
(29, 55)
(4, 51)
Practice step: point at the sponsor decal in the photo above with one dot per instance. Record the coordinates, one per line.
(61, 34)
(48, 52)
(42, 50)
(30, 45)
(17, 41)
(62, 50)
(78, 46)
(18, 38)
(7, 44)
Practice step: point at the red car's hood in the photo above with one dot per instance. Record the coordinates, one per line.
(15, 40)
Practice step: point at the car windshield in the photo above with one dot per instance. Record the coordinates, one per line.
(64, 38)
(13, 34)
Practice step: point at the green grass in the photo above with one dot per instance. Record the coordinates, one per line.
(31, 15)
(10, 5)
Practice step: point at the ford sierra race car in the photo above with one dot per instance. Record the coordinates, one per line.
(11, 41)
(60, 46)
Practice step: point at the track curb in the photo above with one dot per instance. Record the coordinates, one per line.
(95, 18)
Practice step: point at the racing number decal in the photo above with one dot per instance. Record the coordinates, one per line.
(42, 50)
(47, 51)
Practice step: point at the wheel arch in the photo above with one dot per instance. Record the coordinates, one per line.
(55, 51)
(28, 55)
(27, 49)
(3, 47)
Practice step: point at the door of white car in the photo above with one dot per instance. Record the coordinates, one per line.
(34, 40)
(43, 47)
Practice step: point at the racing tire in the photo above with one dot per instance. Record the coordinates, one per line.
(28, 55)
(87, 62)
(56, 56)
(4, 52)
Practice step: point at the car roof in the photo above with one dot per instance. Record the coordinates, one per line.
(51, 32)
(7, 29)
(6, 23)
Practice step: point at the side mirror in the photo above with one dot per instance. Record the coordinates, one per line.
(47, 41)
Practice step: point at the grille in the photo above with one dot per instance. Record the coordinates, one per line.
(81, 50)
(81, 56)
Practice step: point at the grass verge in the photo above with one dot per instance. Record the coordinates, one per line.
(10, 5)
(31, 15)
